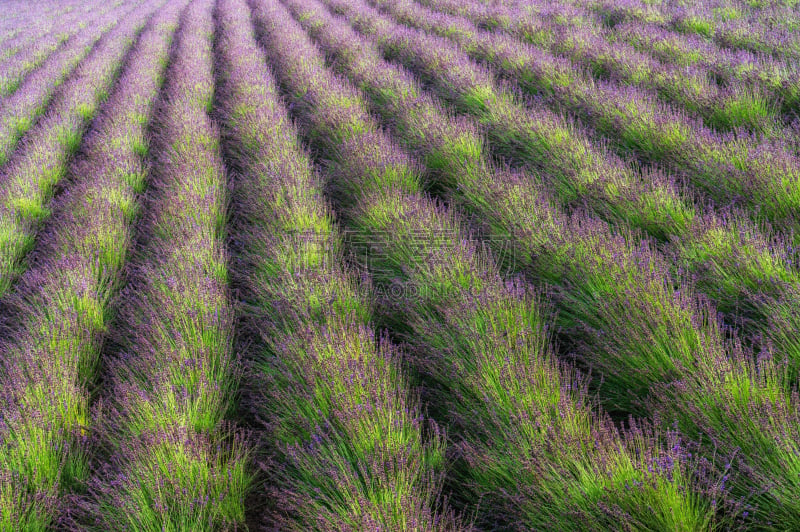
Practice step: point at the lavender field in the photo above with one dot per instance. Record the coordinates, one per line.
(400, 265)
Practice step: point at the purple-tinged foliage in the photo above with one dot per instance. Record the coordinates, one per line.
(741, 26)
(479, 340)
(760, 175)
(14, 67)
(60, 307)
(23, 22)
(740, 268)
(629, 322)
(527, 142)
(745, 413)
(171, 461)
(29, 179)
(347, 434)
(778, 80)
(594, 48)
(20, 111)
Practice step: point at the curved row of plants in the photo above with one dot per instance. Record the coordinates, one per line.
(61, 306)
(525, 427)
(619, 297)
(352, 448)
(170, 458)
(22, 110)
(760, 175)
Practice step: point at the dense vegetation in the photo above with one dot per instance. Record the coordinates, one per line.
(391, 265)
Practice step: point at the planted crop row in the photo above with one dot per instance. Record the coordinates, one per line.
(128, 342)
(780, 80)
(61, 306)
(20, 111)
(772, 77)
(646, 339)
(452, 149)
(7, 27)
(725, 24)
(34, 25)
(746, 273)
(8, 35)
(29, 179)
(763, 176)
(170, 461)
(14, 69)
(15, 39)
(524, 426)
(595, 48)
(350, 439)
(24, 19)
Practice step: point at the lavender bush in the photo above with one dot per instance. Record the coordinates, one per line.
(479, 340)
(20, 111)
(171, 458)
(399, 265)
(728, 168)
(19, 59)
(745, 272)
(575, 34)
(587, 267)
(61, 305)
(350, 439)
(29, 179)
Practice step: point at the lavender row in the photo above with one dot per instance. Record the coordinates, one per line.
(453, 149)
(20, 111)
(329, 392)
(61, 307)
(772, 78)
(563, 31)
(170, 460)
(720, 11)
(9, 31)
(28, 26)
(727, 25)
(29, 179)
(744, 271)
(15, 36)
(765, 81)
(762, 176)
(19, 17)
(748, 274)
(9, 34)
(779, 80)
(479, 341)
(14, 69)
(622, 314)
(750, 97)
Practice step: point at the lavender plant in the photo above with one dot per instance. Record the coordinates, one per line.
(731, 26)
(617, 178)
(605, 285)
(591, 46)
(19, 23)
(745, 272)
(171, 461)
(479, 340)
(28, 181)
(20, 111)
(776, 79)
(16, 40)
(351, 443)
(60, 308)
(732, 168)
(16, 66)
